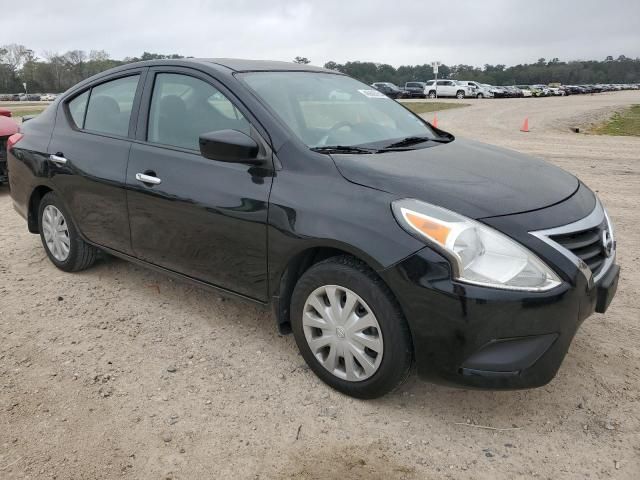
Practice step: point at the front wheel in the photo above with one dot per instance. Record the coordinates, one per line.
(62, 243)
(350, 329)
(432, 94)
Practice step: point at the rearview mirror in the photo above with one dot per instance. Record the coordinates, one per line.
(229, 146)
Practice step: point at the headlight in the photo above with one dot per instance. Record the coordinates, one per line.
(479, 254)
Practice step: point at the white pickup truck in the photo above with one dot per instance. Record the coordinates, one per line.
(447, 88)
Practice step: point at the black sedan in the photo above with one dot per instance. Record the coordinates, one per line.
(378, 239)
(391, 90)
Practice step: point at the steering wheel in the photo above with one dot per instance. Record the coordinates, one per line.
(334, 129)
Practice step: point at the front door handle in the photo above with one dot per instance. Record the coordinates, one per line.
(148, 179)
(58, 159)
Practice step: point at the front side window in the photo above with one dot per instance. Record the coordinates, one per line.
(184, 107)
(306, 102)
(110, 105)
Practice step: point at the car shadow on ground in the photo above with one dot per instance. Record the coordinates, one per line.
(414, 396)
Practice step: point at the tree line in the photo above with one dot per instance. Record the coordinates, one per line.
(55, 72)
(578, 72)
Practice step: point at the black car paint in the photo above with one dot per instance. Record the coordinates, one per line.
(252, 230)
(464, 176)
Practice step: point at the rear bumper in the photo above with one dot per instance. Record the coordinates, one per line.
(3, 159)
(487, 338)
(3, 170)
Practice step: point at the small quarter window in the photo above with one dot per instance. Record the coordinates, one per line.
(77, 107)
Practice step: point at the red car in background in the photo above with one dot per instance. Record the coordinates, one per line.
(8, 127)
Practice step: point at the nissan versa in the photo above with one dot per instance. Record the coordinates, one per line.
(379, 240)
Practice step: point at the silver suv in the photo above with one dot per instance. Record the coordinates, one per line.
(447, 88)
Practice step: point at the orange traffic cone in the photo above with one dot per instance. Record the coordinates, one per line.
(525, 125)
(435, 120)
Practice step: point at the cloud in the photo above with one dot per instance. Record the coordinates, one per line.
(409, 32)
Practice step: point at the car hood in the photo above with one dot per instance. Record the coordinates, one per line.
(471, 178)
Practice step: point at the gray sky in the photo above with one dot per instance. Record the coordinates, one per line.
(394, 32)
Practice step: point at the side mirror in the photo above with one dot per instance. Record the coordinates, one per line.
(229, 146)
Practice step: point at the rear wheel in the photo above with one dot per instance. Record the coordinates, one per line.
(64, 246)
(480, 95)
(432, 94)
(349, 328)
(460, 95)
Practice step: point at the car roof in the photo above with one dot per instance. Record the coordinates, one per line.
(224, 66)
(234, 64)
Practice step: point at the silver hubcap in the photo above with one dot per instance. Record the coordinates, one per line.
(342, 332)
(56, 233)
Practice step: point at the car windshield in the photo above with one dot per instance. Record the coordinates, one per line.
(325, 109)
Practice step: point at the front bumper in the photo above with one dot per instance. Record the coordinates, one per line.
(489, 338)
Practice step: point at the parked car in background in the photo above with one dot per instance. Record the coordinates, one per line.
(513, 92)
(574, 89)
(544, 90)
(379, 241)
(390, 90)
(48, 97)
(15, 97)
(447, 88)
(415, 89)
(524, 92)
(8, 127)
(498, 92)
(533, 91)
(29, 97)
(556, 91)
(479, 90)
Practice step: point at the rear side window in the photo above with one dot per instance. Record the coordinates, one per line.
(184, 107)
(77, 107)
(110, 106)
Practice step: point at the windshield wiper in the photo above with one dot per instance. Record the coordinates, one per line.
(342, 149)
(406, 142)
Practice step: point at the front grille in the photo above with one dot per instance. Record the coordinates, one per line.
(587, 245)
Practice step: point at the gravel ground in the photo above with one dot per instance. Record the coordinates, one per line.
(119, 372)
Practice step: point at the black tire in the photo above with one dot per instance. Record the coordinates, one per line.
(432, 94)
(480, 95)
(397, 354)
(460, 95)
(81, 255)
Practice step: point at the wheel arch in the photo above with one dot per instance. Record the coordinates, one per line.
(297, 265)
(35, 198)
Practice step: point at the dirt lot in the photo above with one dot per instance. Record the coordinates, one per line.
(119, 372)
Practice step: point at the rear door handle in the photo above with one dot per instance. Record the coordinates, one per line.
(148, 179)
(58, 159)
